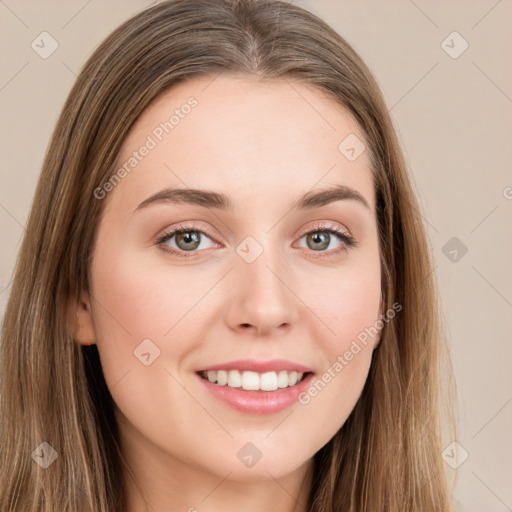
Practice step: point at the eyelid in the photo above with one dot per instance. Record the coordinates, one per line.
(327, 225)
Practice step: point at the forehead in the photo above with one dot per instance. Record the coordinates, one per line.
(246, 138)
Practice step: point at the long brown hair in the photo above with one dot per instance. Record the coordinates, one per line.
(387, 456)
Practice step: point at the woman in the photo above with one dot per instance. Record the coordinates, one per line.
(225, 296)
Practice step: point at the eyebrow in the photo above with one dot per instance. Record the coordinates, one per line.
(217, 200)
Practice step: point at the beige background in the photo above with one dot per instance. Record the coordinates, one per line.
(454, 119)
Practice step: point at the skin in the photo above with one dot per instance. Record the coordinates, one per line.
(263, 145)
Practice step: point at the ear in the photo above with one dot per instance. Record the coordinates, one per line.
(80, 319)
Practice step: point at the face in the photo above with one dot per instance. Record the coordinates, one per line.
(266, 281)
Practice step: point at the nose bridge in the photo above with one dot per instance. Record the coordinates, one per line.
(263, 274)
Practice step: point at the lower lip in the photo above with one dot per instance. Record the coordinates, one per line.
(258, 402)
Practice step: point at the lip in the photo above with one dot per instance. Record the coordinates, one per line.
(252, 365)
(257, 402)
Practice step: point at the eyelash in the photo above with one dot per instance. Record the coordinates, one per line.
(347, 240)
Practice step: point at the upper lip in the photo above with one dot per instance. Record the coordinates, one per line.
(273, 365)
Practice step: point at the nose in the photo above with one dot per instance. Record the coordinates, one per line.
(263, 300)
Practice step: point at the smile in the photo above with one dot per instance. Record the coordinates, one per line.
(253, 381)
(255, 393)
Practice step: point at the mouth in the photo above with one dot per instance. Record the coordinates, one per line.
(256, 387)
(254, 381)
(255, 393)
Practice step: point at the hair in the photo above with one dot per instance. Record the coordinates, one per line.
(387, 455)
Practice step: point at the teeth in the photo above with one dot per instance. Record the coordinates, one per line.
(234, 379)
(252, 381)
(269, 381)
(282, 379)
(222, 378)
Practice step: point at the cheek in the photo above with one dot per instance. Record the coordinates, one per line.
(139, 299)
(348, 302)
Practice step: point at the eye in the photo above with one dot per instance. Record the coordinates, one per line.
(325, 235)
(187, 239)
